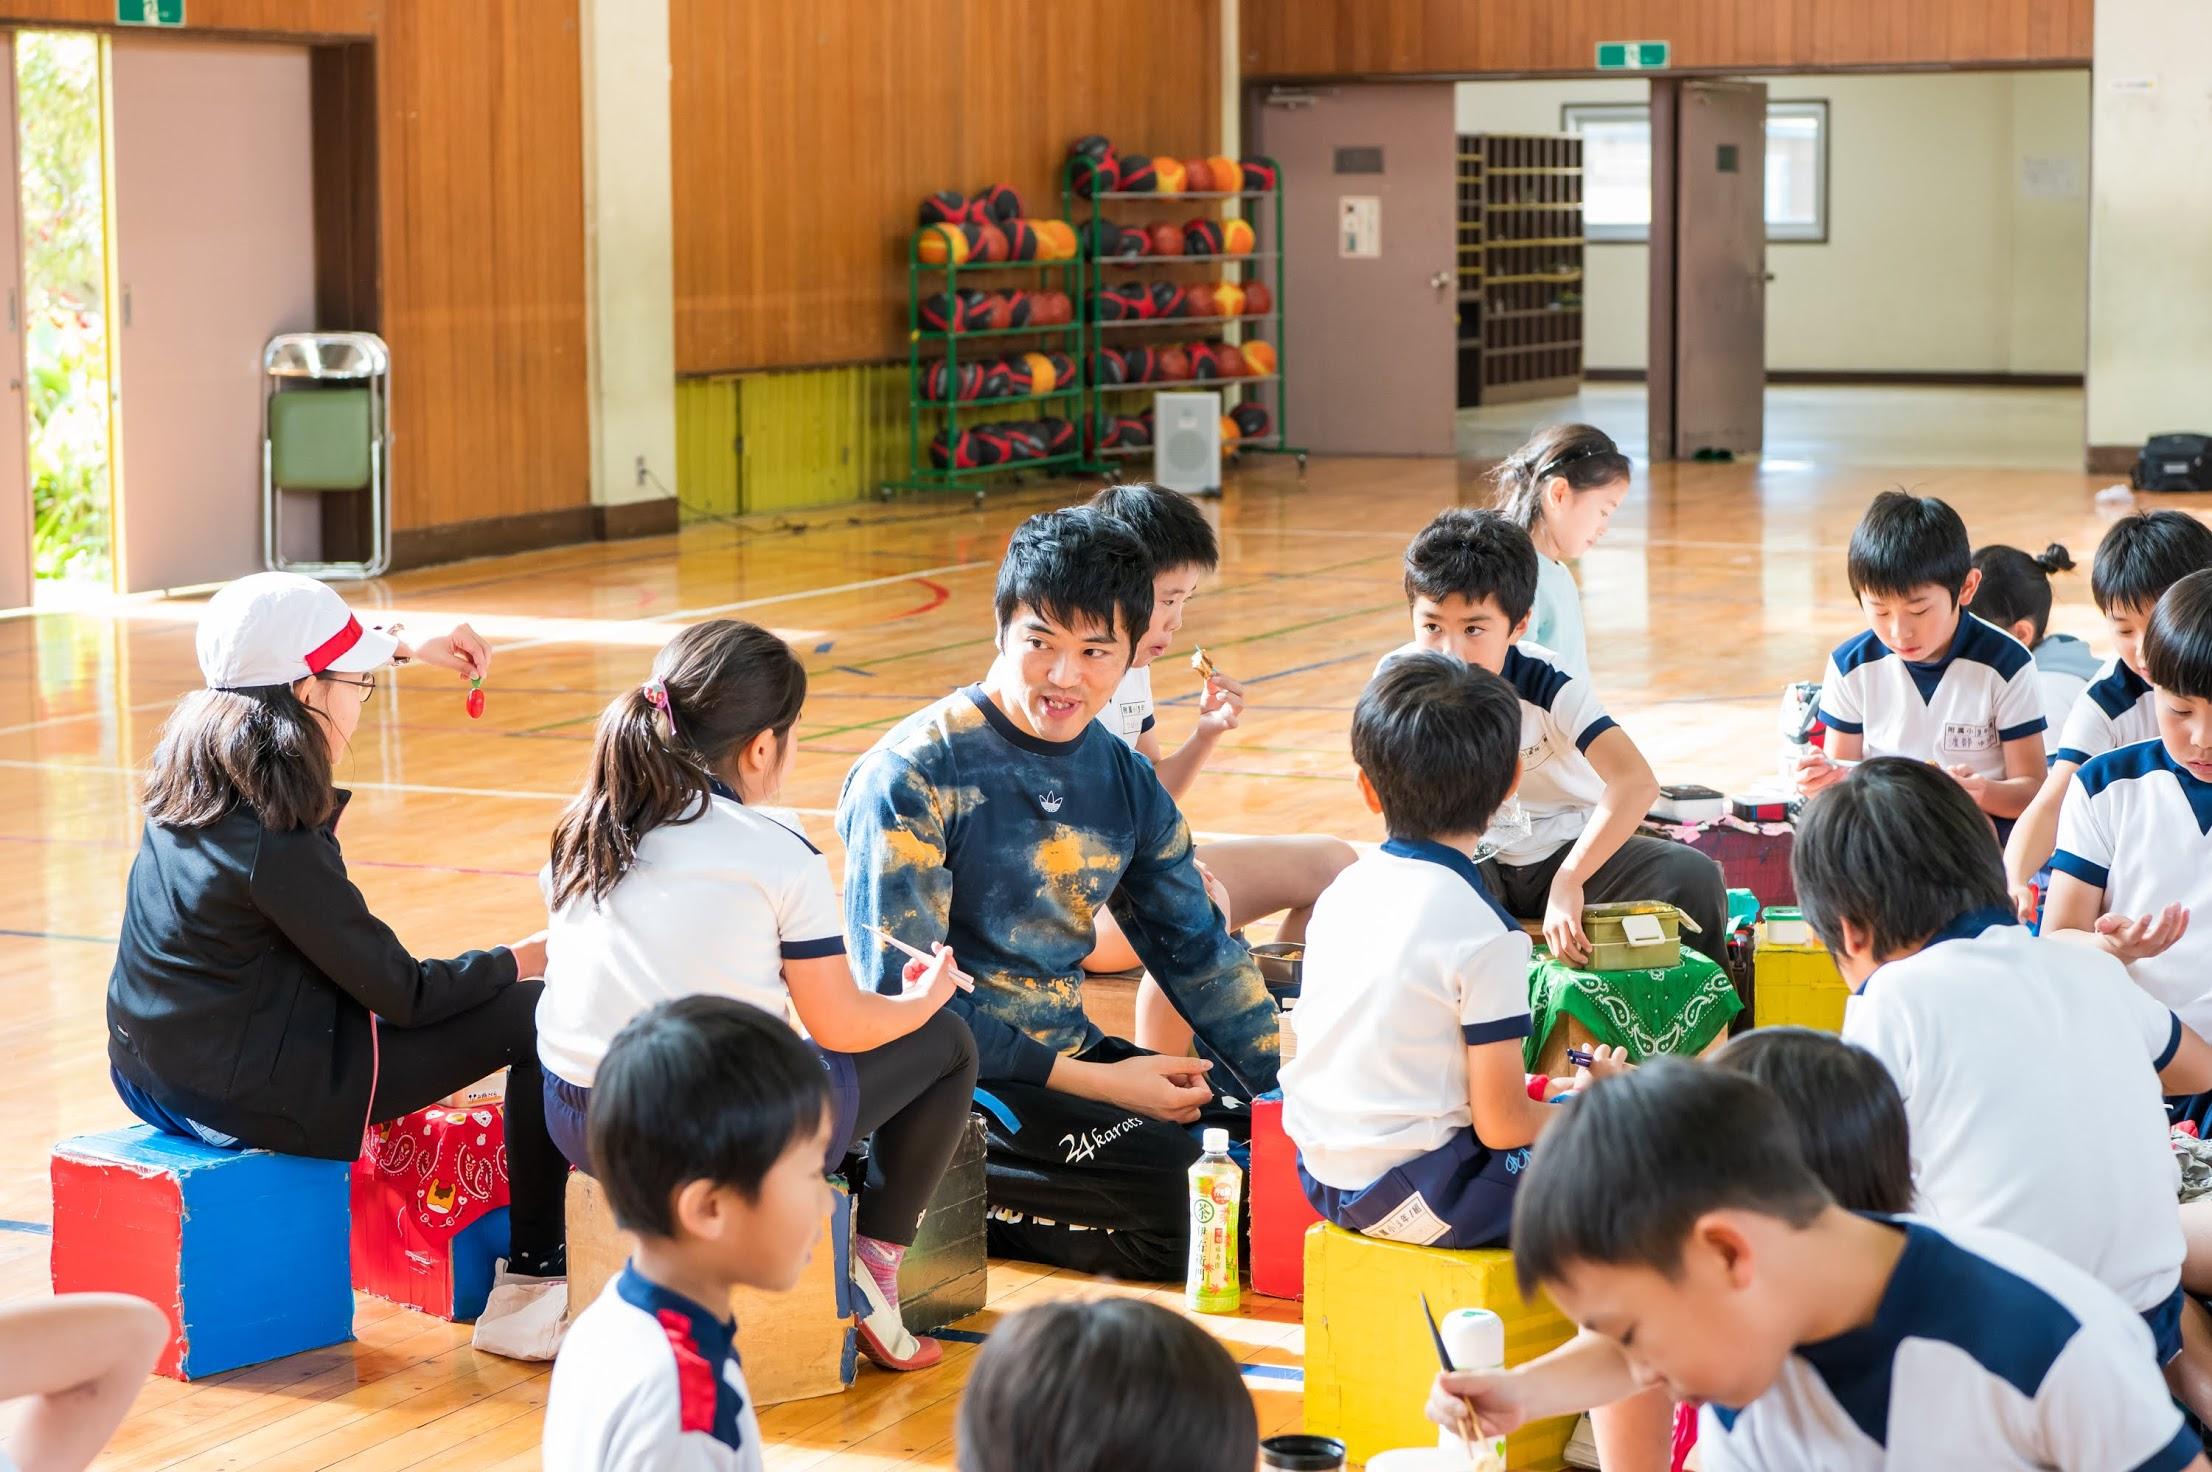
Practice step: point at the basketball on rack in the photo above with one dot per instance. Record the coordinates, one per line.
(1170, 173)
(1172, 364)
(1133, 431)
(1259, 358)
(1198, 176)
(947, 244)
(956, 454)
(1021, 240)
(1059, 436)
(1229, 299)
(997, 204)
(1108, 368)
(1043, 377)
(1201, 298)
(1020, 382)
(1259, 174)
(1105, 432)
(1202, 238)
(1143, 365)
(997, 313)
(1092, 168)
(1229, 358)
(1055, 240)
(1063, 367)
(995, 384)
(1228, 175)
(990, 244)
(1252, 420)
(1236, 237)
(1136, 175)
(945, 207)
(1170, 299)
(941, 382)
(1257, 298)
(1167, 240)
(1109, 241)
(958, 312)
(1203, 365)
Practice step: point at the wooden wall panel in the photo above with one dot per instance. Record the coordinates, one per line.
(1315, 39)
(805, 136)
(481, 171)
(477, 279)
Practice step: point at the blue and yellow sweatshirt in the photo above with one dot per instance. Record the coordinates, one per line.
(959, 826)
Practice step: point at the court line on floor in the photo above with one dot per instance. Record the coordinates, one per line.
(90, 940)
(29, 1229)
(740, 605)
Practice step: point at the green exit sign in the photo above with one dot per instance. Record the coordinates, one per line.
(1633, 56)
(149, 12)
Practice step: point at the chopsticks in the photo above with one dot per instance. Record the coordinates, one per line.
(1444, 1358)
(960, 978)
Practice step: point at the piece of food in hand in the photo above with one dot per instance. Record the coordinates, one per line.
(1203, 663)
(475, 700)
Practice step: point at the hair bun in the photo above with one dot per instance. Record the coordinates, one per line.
(2055, 558)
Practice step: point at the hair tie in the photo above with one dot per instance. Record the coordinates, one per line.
(656, 695)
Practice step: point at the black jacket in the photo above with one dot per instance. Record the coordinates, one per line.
(248, 970)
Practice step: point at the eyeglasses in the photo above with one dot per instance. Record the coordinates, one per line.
(367, 685)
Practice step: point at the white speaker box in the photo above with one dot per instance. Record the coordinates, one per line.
(1186, 442)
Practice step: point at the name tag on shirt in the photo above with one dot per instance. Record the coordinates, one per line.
(1132, 716)
(1967, 736)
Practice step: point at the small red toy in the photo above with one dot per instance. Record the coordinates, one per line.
(476, 699)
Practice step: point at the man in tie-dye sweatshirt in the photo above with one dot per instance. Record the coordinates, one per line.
(998, 820)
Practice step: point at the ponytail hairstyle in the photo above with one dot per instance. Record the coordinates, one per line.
(2015, 586)
(260, 747)
(715, 687)
(1583, 455)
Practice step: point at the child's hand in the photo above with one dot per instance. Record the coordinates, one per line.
(1976, 785)
(1815, 771)
(2025, 901)
(1563, 921)
(1605, 1062)
(461, 651)
(1173, 1089)
(1220, 704)
(2139, 939)
(1477, 1404)
(930, 983)
(1215, 891)
(529, 956)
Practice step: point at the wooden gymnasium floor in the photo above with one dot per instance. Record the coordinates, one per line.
(1718, 584)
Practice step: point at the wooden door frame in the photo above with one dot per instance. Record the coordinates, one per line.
(1659, 354)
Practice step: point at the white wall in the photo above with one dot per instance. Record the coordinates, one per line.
(2150, 297)
(1938, 258)
(629, 249)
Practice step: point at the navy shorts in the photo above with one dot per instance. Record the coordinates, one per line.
(2165, 1322)
(568, 1111)
(1459, 1195)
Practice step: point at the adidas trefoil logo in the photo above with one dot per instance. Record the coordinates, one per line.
(1049, 801)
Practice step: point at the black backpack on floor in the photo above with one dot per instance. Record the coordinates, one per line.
(2175, 462)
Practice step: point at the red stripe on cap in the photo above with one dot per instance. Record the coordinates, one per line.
(325, 654)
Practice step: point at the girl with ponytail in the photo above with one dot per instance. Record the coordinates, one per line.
(1562, 488)
(2014, 593)
(672, 877)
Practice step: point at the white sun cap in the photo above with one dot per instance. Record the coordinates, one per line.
(277, 628)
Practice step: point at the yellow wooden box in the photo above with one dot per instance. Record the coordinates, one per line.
(1796, 986)
(795, 1345)
(1369, 1358)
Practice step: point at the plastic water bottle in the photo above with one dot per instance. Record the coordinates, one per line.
(1475, 1339)
(1216, 1200)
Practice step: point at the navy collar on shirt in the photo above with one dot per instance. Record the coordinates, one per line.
(1960, 927)
(1014, 734)
(1926, 676)
(703, 1344)
(1430, 851)
(1943, 1292)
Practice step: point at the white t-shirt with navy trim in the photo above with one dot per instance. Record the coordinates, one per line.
(1560, 717)
(714, 906)
(2115, 710)
(1129, 714)
(649, 1379)
(2138, 826)
(2029, 1070)
(1959, 710)
(2064, 666)
(1986, 1352)
(1409, 962)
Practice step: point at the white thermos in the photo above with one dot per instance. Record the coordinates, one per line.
(1475, 1340)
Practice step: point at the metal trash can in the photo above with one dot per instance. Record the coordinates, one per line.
(326, 426)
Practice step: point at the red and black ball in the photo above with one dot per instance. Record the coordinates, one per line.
(1143, 364)
(1259, 174)
(1170, 299)
(1252, 420)
(1000, 203)
(1202, 238)
(1137, 175)
(945, 207)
